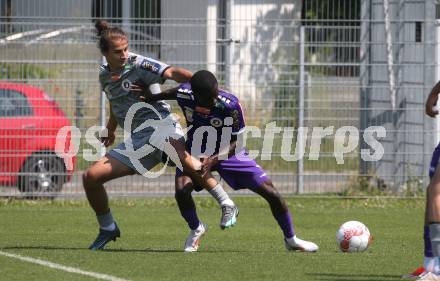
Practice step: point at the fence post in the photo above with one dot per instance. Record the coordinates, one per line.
(126, 6)
(229, 45)
(300, 140)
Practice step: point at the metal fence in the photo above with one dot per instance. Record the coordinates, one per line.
(326, 66)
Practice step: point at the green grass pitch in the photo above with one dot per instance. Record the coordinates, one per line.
(153, 234)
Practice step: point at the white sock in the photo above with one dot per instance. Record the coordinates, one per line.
(200, 227)
(428, 263)
(436, 267)
(109, 227)
(227, 202)
(434, 231)
(221, 196)
(106, 221)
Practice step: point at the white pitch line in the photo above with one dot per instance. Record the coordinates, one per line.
(62, 267)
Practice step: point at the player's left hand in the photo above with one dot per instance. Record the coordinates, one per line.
(207, 164)
(141, 90)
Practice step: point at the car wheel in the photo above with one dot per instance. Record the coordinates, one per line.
(42, 174)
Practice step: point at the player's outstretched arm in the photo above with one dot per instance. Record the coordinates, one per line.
(431, 101)
(178, 74)
(170, 94)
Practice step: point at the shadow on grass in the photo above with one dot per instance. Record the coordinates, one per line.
(150, 250)
(147, 250)
(40, 248)
(354, 277)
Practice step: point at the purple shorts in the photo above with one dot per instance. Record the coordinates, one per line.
(434, 161)
(239, 172)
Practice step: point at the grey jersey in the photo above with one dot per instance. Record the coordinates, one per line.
(117, 88)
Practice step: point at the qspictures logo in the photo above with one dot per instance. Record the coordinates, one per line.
(207, 140)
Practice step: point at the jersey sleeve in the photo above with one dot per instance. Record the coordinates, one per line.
(150, 70)
(185, 101)
(184, 93)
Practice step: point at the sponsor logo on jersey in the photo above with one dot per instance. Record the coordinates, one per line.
(216, 122)
(236, 120)
(150, 66)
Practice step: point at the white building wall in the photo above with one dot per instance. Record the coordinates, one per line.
(266, 32)
(268, 35)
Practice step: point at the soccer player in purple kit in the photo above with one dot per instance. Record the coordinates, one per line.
(431, 234)
(212, 111)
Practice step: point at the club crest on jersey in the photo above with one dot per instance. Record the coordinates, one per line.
(216, 122)
(126, 85)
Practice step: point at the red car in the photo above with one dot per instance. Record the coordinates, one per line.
(29, 123)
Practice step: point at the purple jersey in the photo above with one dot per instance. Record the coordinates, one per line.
(223, 122)
(239, 171)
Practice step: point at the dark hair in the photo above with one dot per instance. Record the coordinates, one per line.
(106, 33)
(204, 84)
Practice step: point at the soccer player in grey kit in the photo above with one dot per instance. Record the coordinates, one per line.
(210, 110)
(118, 78)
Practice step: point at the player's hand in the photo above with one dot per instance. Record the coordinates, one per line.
(430, 106)
(142, 90)
(107, 137)
(207, 164)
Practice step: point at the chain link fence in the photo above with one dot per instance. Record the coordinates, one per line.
(321, 65)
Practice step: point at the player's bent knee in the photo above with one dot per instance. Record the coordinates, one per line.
(184, 190)
(90, 178)
(269, 190)
(272, 196)
(184, 186)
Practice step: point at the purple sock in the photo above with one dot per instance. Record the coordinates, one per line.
(285, 222)
(191, 218)
(427, 240)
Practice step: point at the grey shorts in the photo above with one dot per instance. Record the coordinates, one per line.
(145, 149)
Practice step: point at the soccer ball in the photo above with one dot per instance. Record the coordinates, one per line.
(353, 236)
